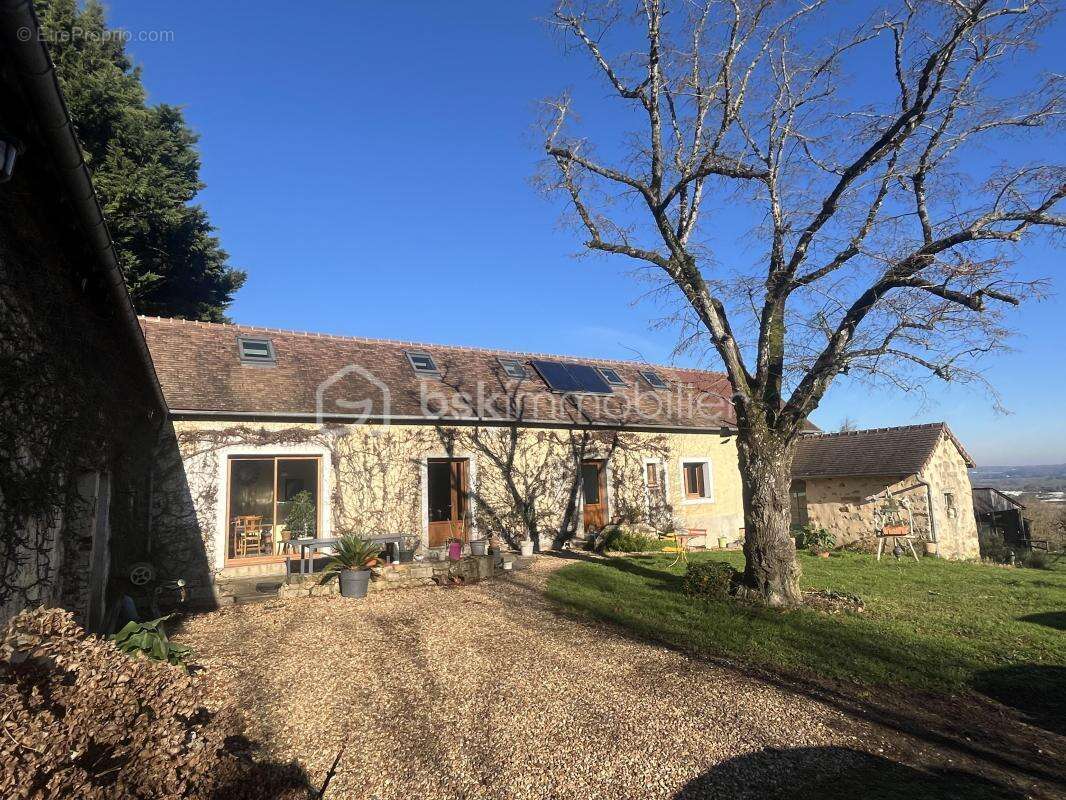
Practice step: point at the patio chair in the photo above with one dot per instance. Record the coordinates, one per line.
(247, 535)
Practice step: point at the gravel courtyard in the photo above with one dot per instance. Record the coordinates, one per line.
(486, 691)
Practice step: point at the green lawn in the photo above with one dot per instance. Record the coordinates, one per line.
(935, 625)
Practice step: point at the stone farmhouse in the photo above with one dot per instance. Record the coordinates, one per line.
(426, 440)
(840, 480)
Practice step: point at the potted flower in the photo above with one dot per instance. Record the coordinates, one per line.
(352, 562)
(820, 542)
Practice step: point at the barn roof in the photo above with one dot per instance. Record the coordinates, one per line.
(903, 450)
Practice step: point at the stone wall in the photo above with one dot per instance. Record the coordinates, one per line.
(373, 481)
(844, 508)
(956, 525)
(75, 404)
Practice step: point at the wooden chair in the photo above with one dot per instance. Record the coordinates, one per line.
(247, 535)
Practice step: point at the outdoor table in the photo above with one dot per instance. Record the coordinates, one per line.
(309, 545)
(681, 547)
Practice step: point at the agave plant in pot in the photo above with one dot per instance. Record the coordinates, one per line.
(351, 563)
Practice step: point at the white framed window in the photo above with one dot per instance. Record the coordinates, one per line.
(697, 481)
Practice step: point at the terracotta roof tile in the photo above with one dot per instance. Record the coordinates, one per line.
(200, 370)
(878, 451)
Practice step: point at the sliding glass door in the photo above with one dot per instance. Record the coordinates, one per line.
(271, 499)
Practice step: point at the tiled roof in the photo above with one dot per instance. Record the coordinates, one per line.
(200, 371)
(878, 451)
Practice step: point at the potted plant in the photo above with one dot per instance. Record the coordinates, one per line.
(352, 562)
(300, 521)
(526, 546)
(820, 541)
(455, 548)
(892, 518)
(479, 547)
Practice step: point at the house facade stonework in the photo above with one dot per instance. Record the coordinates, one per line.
(842, 480)
(245, 439)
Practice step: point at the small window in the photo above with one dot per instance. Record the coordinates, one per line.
(651, 478)
(513, 367)
(697, 478)
(949, 504)
(423, 363)
(611, 376)
(653, 378)
(797, 497)
(256, 351)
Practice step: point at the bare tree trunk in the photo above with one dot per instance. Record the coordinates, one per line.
(771, 572)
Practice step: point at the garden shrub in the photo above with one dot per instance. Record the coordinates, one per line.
(1037, 559)
(626, 539)
(84, 720)
(709, 579)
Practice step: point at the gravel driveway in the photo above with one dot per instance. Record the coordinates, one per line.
(485, 691)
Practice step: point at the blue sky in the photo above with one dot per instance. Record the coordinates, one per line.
(369, 165)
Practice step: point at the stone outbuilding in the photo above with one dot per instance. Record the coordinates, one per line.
(842, 482)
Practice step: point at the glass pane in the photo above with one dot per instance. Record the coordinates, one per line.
(590, 481)
(251, 495)
(252, 489)
(440, 491)
(297, 495)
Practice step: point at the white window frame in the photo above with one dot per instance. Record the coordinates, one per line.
(224, 454)
(708, 480)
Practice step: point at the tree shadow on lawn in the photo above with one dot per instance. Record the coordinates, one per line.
(972, 727)
(1049, 619)
(835, 773)
(1035, 690)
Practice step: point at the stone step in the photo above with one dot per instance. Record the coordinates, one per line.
(254, 570)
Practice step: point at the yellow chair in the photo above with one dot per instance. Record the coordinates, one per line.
(680, 546)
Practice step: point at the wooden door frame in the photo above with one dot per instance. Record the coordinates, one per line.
(271, 559)
(605, 493)
(471, 489)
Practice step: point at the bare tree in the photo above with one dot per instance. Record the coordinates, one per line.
(882, 227)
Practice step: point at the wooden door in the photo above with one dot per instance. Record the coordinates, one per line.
(448, 500)
(594, 491)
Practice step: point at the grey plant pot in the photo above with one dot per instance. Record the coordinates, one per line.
(478, 547)
(355, 583)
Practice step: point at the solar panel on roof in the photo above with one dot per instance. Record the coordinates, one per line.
(556, 375)
(589, 378)
(562, 377)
